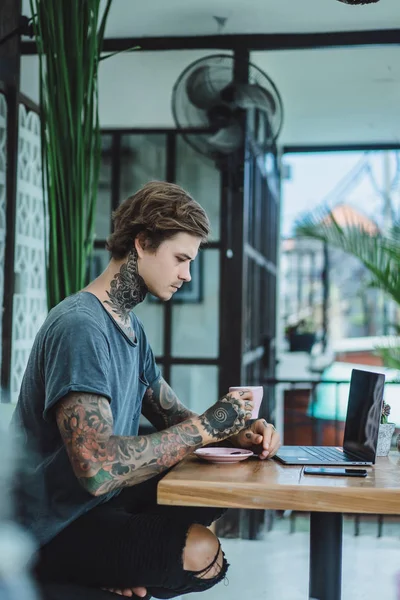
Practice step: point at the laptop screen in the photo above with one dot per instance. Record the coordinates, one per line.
(364, 413)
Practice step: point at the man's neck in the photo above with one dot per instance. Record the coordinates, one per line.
(120, 288)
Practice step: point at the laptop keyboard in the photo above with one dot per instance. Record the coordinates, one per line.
(330, 454)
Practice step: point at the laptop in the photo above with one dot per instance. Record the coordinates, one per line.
(361, 430)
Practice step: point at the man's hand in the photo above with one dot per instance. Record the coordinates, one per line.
(260, 437)
(228, 416)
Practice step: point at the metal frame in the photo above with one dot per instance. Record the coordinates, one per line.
(231, 258)
(10, 11)
(316, 148)
(248, 262)
(167, 360)
(251, 42)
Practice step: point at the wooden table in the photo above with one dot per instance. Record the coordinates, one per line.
(271, 485)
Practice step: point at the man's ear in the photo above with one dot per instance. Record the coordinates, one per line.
(140, 243)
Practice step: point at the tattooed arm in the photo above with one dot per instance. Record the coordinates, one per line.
(162, 407)
(104, 462)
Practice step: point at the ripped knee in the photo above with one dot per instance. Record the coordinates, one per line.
(202, 555)
(214, 568)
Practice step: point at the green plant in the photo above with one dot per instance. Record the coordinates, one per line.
(390, 356)
(306, 325)
(69, 36)
(385, 413)
(379, 253)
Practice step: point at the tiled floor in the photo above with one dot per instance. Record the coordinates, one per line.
(277, 567)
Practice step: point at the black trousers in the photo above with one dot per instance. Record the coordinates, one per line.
(129, 541)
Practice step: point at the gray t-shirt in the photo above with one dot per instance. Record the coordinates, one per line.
(81, 348)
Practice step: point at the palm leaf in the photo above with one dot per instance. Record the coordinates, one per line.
(390, 356)
(380, 254)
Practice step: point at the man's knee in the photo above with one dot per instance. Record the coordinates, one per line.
(202, 553)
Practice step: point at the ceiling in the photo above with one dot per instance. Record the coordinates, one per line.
(195, 17)
(129, 18)
(331, 96)
(337, 96)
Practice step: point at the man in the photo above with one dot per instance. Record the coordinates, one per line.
(90, 375)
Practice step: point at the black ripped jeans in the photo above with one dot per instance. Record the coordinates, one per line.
(127, 542)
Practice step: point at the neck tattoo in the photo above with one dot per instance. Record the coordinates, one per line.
(127, 289)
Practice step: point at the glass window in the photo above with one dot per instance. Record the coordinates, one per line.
(99, 261)
(152, 316)
(103, 207)
(195, 310)
(353, 184)
(200, 177)
(195, 385)
(145, 427)
(143, 159)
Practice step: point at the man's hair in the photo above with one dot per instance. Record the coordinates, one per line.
(159, 210)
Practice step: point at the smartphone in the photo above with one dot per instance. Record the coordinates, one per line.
(335, 471)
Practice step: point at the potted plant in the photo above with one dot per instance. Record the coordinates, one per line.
(386, 431)
(301, 336)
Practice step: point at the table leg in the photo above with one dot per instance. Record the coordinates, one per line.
(325, 556)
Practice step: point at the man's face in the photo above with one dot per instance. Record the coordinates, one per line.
(168, 268)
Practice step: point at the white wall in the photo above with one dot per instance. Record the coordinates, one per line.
(339, 95)
(30, 77)
(134, 88)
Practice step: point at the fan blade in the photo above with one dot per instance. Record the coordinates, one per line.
(227, 139)
(250, 96)
(203, 88)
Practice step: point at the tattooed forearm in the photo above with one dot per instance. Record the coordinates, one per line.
(104, 462)
(162, 407)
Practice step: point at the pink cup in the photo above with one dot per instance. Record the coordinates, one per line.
(258, 392)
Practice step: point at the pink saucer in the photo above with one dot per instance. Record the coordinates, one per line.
(223, 455)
